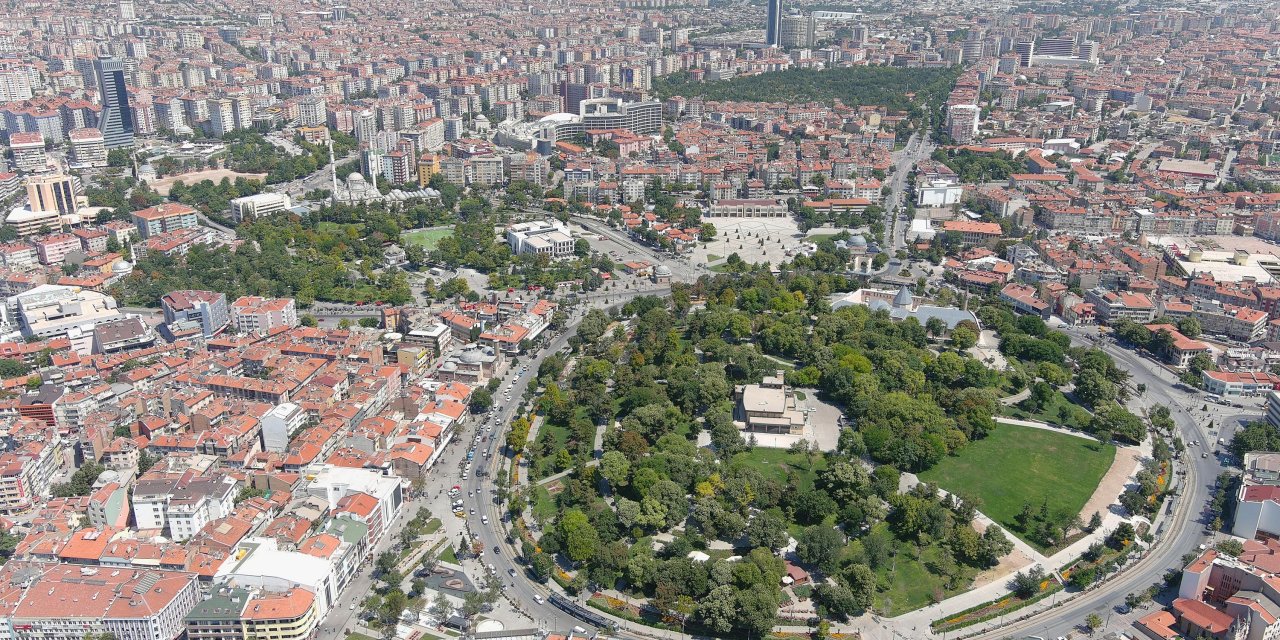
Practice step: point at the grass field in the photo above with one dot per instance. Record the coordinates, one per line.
(910, 584)
(425, 237)
(543, 505)
(778, 464)
(557, 436)
(1018, 465)
(333, 226)
(448, 555)
(1059, 411)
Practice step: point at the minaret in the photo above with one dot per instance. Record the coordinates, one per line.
(333, 170)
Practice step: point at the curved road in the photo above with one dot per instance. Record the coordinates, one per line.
(1182, 532)
(522, 588)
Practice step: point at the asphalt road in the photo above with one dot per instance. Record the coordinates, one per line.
(522, 588)
(916, 149)
(681, 269)
(1183, 532)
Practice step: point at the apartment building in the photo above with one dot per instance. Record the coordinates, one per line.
(181, 504)
(1112, 305)
(28, 151)
(164, 217)
(235, 613)
(27, 472)
(45, 601)
(253, 314)
(53, 249)
(208, 309)
(88, 147)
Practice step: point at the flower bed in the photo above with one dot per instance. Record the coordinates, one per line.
(994, 609)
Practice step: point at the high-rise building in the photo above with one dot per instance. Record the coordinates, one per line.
(311, 111)
(28, 151)
(797, 31)
(1088, 51)
(88, 147)
(962, 122)
(1025, 50)
(116, 119)
(126, 10)
(1064, 46)
(15, 84)
(773, 27)
(366, 126)
(221, 117)
(52, 192)
(453, 128)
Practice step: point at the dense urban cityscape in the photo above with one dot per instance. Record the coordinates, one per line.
(639, 319)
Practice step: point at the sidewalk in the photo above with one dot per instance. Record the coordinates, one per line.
(918, 621)
(1044, 426)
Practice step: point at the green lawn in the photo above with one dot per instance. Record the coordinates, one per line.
(448, 555)
(433, 525)
(542, 504)
(711, 257)
(910, 584)
(359, 636)
(425, 237)
(778, 464)
(1059, 411)
(1018, 465)
(557, 435)
(333, 226)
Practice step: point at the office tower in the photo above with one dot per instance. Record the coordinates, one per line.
(1064, 47)
(1025, 50)
(52, 192)
(116, 119)
(773, 28)
(1088, 51)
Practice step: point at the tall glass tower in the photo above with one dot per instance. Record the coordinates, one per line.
(116, 120)
(773, 28)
